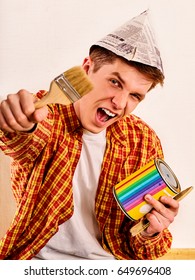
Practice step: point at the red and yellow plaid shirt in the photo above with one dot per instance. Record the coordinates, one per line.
(42, 170)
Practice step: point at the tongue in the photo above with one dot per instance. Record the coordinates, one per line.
(102, 116)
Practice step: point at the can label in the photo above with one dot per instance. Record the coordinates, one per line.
(155, 178)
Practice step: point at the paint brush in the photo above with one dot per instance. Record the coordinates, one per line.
(143, 224)
(67, 88)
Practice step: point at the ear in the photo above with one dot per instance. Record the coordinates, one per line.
(87, 63)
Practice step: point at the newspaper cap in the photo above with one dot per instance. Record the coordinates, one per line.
(134, 41)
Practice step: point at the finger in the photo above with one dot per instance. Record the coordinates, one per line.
(170, 203)
(157, 205)
(18, 118)
(155, 223)
(3, 124)
(39, 114)
(27, 100)
(9, 118)
(13, 115)
(163, 220)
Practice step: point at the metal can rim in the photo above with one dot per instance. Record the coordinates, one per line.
(177, 189)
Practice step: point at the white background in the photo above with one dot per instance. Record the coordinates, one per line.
(40, 39)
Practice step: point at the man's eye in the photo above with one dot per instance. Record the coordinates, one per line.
(136, 96)
(115, 82)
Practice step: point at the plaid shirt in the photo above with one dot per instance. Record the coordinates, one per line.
(42, 170)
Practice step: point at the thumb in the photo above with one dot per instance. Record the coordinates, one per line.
(39, 114)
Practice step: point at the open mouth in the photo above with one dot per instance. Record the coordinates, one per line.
(104, 114)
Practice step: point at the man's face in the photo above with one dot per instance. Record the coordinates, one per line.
(118, 89)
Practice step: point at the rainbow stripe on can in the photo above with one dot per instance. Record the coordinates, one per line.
(149, 179)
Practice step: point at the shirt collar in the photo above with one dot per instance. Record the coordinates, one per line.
(70, 118)
(118, 130)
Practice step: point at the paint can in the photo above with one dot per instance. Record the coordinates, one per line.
(155, 178)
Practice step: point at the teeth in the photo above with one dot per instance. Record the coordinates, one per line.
(110, 114)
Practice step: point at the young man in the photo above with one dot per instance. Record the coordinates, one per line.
(68, 158)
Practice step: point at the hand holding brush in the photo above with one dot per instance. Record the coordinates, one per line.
(20, 111)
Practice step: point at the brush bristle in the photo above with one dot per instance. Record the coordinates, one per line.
(78, 80)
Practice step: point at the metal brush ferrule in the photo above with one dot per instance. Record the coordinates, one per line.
(67, 88)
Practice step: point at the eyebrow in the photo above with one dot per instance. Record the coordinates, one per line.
(117, 74)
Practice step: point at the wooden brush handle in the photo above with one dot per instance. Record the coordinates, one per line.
(143, 224)
(55, 95)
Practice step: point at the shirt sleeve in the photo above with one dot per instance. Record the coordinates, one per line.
(151, 248)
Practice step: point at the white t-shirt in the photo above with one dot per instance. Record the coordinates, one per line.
(78, 238)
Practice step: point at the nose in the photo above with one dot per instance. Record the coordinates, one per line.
(120, 101)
